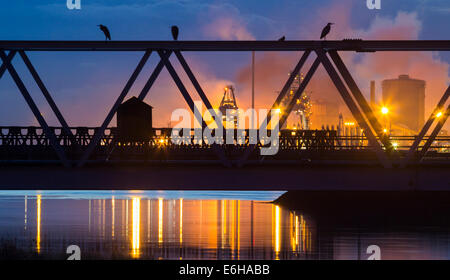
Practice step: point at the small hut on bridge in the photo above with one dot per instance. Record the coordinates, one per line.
(134, 121)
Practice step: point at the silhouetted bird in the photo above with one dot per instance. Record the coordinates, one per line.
(282, 39)
(175, 32)
(326, 30)
(105, 31)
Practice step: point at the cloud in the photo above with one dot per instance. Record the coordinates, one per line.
(272, 68)
(226, 28)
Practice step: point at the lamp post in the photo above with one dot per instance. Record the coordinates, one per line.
(385, 112)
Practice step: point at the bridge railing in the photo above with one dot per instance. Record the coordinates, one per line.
(288, 139)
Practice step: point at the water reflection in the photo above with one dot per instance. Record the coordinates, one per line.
(38, 224)
(157, 228)
(136, 227)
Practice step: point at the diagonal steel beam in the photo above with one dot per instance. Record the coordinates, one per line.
(47, 96)
(100, 132)
(288, 83)
(276, 104)
(190, 102)
(148, 85)
(433, 134)
(353, 108)
(9, 58)
(360, 99)
(205, 101)
(299, 92)
(177, 81)
(425, 128)
(37, 114)
(197, 86)
(194, 81)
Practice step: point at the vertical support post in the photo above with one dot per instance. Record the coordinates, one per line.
(37, 114)
(47, 96)
(353, 108)
(99, 133)
(425, 128)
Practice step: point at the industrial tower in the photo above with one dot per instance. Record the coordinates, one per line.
(229, 103)
(302, 107)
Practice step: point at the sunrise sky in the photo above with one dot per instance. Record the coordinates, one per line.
(85, 85)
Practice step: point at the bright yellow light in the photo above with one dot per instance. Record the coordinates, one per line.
(385, 130)
(160, 220)
(277, 231)
(38, 222)
(278, 110)
(113, 207)
(395, 145)
(384, 110)
(439, 114)
(136, 224)
(293, 133)
(181, 220)
(349, 124)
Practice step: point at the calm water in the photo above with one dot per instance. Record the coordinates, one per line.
(191, 225)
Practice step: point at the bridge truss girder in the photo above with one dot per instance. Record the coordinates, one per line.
(339, 74)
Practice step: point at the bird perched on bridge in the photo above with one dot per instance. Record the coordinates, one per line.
(175, 32)
(105, 31)
(282, 39)
(326, 30)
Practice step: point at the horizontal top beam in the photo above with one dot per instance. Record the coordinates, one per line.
(344, 45)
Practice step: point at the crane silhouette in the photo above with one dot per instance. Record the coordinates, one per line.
(282, 39)
(105, 31)
(175, 32)
(326, 30)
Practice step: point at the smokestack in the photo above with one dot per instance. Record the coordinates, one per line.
(372, 93)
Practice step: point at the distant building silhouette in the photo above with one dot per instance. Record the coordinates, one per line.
(405, 98)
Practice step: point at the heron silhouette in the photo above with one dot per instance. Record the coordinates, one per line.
(282, 39)
(105, 31)
(175, 32)
(326, 30)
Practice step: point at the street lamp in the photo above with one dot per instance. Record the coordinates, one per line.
(385, 112)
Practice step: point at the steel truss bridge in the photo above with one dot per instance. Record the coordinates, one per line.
(78, 147)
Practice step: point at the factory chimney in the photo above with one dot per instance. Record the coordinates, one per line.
(372, 93)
